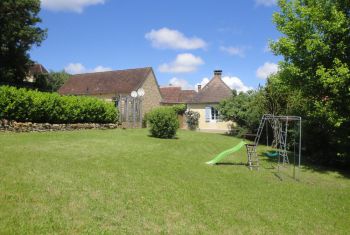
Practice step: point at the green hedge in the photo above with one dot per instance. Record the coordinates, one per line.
(34, 106)
(163, 122)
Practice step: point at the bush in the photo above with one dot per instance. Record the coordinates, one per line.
(179, 108)
(27, 105)
(163, 122)
(192, 119)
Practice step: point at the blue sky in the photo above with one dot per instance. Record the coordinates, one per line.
(184, 41)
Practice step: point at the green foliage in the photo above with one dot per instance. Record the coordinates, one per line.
(41, 107)
(192, 119)
(163, 122)
(245, 109)
(316, 50)
(179, 108)
(18, 33)
(51, 81)
(280, 99)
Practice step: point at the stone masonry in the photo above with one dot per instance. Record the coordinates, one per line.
(13, 126)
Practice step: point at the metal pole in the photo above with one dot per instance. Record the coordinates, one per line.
(299, 147)
(140, 110)
(267, 135)
(127, 111)
(133, 113)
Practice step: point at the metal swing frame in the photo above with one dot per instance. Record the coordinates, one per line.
(279, 125)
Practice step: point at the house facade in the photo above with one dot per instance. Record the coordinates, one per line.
(116, 86)
(111, 85)
(205, 102)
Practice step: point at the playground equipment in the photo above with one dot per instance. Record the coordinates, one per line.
(280, 126)
(226, 153)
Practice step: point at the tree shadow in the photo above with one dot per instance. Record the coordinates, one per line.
(326, 170)
(231, 164)
(305, 165)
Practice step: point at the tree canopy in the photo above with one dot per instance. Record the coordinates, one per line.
(313, 80)
(19, 31)
(316, 50)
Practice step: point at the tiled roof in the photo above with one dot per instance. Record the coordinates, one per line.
(215, 91)
(37, 69)
(118, 81)
(175, 95)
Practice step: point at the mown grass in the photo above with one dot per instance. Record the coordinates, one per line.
(125, 182)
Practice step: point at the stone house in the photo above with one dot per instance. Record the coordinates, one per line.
(111, 85)
(34, 70)
(204, 102)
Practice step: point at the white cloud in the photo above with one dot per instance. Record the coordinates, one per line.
(69, 5)
(173, 39)
(76, 68)
(101, 68)
(204, 82)
(240, 51)
(236, 83)
(266, 70)
(266, 3)
(184, 63)
(231, 81)
(180, 83)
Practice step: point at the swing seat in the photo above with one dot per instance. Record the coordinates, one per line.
(271, 154)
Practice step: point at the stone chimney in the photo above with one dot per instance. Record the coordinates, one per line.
(199, 87)
(217, 73)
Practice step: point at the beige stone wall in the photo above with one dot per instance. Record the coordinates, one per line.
(211, 125)
(151, 99)
(152, 96)
(106, 97)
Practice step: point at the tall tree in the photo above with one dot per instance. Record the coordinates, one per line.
(316, 50)
(18, 33)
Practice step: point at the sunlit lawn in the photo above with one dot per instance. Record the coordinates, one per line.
(125, 182)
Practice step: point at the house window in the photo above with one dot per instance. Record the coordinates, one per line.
(211, 114)
(214, 114)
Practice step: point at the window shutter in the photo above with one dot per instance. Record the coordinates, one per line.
(207, 114)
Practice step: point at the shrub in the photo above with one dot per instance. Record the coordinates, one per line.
(192, 119)
(28, 105)
(163, 122)
(179, 108)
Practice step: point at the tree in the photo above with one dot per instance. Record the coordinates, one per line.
(316, 51)
(281, 99)
(245, 109)
(56, 80)
(18, 33)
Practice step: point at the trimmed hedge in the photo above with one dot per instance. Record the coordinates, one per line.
(41, 107)
(163, 122)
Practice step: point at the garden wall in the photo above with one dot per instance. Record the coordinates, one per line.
(13, 126)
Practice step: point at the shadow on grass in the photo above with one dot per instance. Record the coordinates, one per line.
(173, 138)
(309, 166)
(231, 164)
(326, 170)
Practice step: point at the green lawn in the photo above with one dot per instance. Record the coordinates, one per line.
(125, 182)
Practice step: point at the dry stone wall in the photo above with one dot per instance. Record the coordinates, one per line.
(13, 126)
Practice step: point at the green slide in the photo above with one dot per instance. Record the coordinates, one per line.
(226, 153)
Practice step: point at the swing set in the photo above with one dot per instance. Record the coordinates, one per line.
(286, 135)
